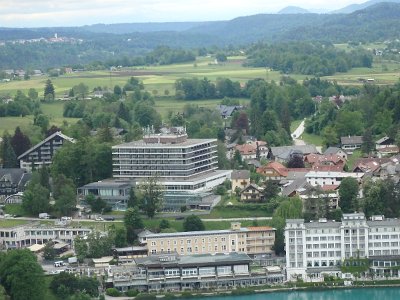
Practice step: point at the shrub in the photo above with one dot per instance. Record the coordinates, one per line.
(132, 293)
(113, 292)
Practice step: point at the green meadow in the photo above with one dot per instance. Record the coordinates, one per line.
(160, 80)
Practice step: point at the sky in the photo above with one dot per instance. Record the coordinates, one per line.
(39, 13)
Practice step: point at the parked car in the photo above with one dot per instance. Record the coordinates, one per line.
(59, 263)
(109, 218)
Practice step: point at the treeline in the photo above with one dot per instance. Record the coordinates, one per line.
(315, 59)
(373, 113)
(88, 54)
(194, 88)
(20, 105)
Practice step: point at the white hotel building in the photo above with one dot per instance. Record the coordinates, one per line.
(179, 163)
(320, 247)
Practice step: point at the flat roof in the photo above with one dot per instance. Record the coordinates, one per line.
(143, 144)
(191, 233)
(174, 260)
(108, 184)
(36, 247)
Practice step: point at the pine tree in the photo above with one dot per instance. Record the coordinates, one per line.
(20, 142)
(49, 93)
(8, 155)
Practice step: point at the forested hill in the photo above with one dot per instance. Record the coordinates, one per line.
(124, 28)
(354, 7)
(377, 22)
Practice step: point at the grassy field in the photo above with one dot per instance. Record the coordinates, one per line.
(7, 223)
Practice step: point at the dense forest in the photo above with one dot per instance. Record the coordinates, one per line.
(307, 58)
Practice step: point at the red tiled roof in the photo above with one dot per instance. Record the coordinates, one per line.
(329, 187)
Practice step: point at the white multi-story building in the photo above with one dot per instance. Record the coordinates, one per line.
(318, 178)
(29, 234)
(179, 163)
(315, 248)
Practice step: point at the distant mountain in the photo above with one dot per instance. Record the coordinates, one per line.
(249, 29)
(374, 23)
(293, 10)
(123, 28)
(354, 7)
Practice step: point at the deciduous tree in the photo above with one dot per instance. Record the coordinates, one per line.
(348, 192)
(193, 223)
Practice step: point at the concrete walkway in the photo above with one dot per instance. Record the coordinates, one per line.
(296, 135)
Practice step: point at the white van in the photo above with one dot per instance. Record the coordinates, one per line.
(59, 263)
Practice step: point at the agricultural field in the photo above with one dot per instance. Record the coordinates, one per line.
(159, 81)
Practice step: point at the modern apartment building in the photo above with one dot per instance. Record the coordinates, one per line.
(26, 235)
(315, 248)
(178, 163)
(43, 152)
(251, 240)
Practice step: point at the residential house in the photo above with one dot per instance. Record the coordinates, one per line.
(251, 193)
(386, 146)
(273, 171)
(385, 142)
(252, 150)
(316, 178)
(313, 196)
(336, 151)
(240, 179)
(370, 166)
(43, 152)
(351, 143)
(13, 181)
(284, 153)
(325, 162)
(227, 111)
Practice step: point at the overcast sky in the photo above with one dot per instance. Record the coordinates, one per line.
(34, 13)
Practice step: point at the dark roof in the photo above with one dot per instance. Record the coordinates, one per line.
(240, 174)
(58, 133)
(332, 150)
(355, 139)
(284, 152)
(298, 183)
(16, 176)
(175, 260)
(227, 110)
(384, 139)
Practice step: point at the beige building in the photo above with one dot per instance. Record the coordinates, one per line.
(240, 179)
(250, 240)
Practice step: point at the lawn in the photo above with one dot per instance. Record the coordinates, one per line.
(14, 209)
(351, 159)
(294, 124)
(7, 223)
(312, 139)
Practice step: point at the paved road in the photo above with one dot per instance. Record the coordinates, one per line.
(237, 219)
(297, 133)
